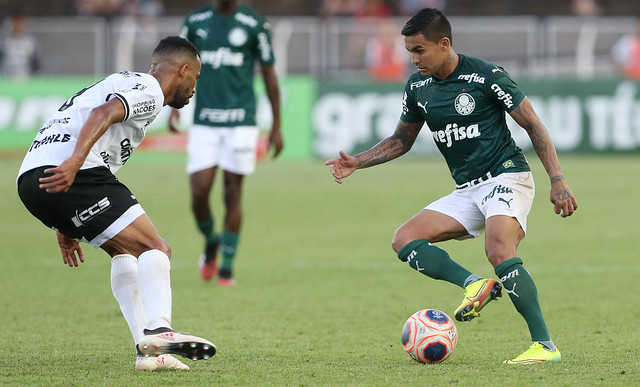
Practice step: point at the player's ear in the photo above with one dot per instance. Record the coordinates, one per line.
(183, 69)
(444, 43)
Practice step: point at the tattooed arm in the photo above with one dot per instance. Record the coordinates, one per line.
(390, 148)
(561, 196)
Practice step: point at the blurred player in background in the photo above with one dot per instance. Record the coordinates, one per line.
(19, 56)
(463, 100)
(230, 38)
(66, 181)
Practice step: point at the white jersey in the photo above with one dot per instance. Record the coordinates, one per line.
(142, 98)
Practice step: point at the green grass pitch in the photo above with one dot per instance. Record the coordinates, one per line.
(321, 297)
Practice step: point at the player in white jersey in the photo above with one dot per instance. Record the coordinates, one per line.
(66, 180)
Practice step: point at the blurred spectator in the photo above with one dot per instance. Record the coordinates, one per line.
(385, 56)
(18, 49)
(585, 8)
(107, 8)
(138, 29)
(333, 8)
(626, 54)
(373, 8)
(409, 7)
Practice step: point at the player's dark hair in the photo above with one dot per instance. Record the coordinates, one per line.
(431, 23)
(175, 45)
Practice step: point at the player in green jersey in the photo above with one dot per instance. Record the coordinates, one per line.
(463, 101)
(230, 37)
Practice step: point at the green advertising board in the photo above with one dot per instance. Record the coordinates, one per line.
(321, 118)
(25, 106)
(582, 116)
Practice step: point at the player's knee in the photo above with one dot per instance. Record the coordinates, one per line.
(159, 244)
(498, 252)
(399, 240)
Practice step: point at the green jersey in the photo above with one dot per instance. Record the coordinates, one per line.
(229, 46)
(466, 115)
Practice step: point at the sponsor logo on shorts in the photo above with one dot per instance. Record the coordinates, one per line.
(84, 216)
(499, 189)
(506, 201)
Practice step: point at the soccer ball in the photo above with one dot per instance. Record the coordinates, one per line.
(429, 336)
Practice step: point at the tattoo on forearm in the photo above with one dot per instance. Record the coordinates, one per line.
(391, 147)
(555, 179)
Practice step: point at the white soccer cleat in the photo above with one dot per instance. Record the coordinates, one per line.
(177, 343)
(158, 363)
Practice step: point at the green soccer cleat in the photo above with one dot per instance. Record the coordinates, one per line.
(476, 296)
(537, 353)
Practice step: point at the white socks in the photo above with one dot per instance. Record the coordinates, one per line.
(124, 285)
(154, 285)
(142, 288)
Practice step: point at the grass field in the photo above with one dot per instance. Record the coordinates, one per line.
(322, 298)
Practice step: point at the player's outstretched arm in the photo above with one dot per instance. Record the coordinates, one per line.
(69, 247)
(388, 149)
(97, 124)
(564, 203)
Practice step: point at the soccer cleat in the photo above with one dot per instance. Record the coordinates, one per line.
(536, 354)
(226, 282)
(157, 363)
(225, 278)
(476, 296)
(177, 343)
(208, 264)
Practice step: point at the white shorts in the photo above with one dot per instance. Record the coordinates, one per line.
(231, 148)
(509, 194)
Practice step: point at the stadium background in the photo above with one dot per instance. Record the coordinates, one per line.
(321, 297)
(561, 59)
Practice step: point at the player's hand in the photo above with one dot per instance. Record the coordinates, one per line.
(342, 167)
(275, 141)
(61, 177)
(564, 203)
(174, 119)
(70, 249)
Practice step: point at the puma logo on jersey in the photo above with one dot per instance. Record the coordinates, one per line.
(424, 107)
(495, 70)
(508, 202)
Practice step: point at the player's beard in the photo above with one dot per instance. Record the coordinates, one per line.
(181, 97)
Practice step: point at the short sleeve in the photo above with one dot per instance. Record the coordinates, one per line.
(410, 113)
(142, 101)
(503, 90)
(265, 47)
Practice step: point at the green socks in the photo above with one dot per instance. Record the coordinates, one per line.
(434, 262)
(522, 291)
(228, 244)
(206, 228)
